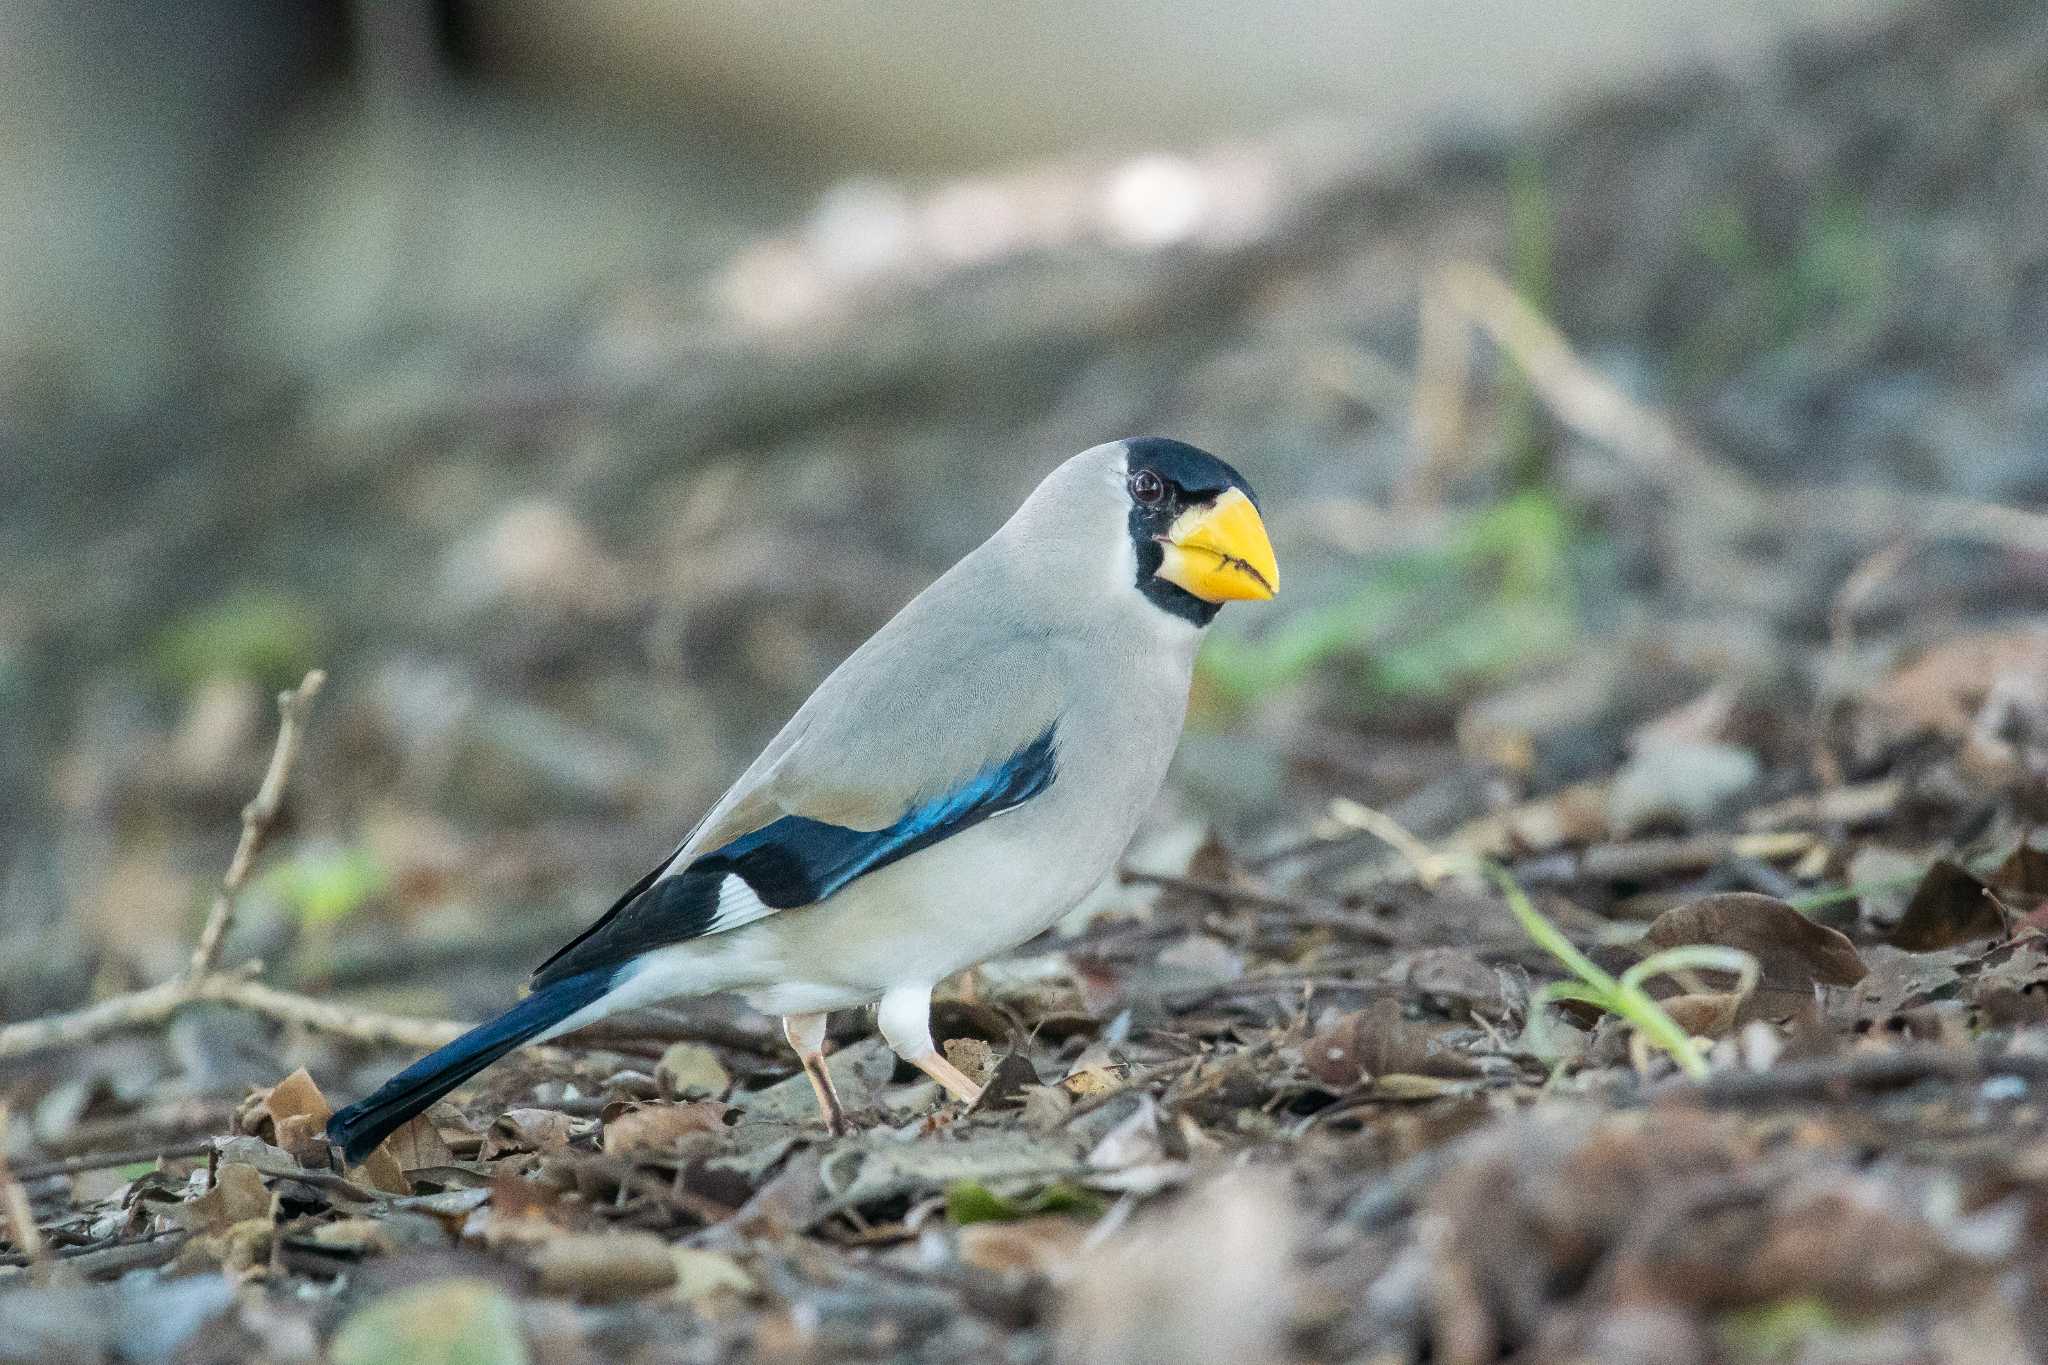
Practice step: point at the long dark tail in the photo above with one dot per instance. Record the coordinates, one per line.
(359, 1128)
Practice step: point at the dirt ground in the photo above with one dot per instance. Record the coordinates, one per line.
(1662, 586)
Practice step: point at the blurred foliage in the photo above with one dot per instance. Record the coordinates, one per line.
(1531, 246)
(269, 636)
(969, 1201)
(1496, 593)
(321, 886)
(1791, 1329)
(1834, 275)
(445, 1322)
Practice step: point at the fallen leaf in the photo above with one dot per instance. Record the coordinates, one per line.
(1014, 1078)
(528, 1130)
(1046, 1107)
(1706, 1015)
(1941, 691)
(601, 1266)
(293, 1115)
(238, 1195)
(1951, 906)
(1793, 953)
(446, 1322)
(969, 1202)
(1376, 1041)
(691, 1071)
(1679, 783)
(418, 1146)
(360, 1236)
(701, 1274)
(1032, 1246)
(2024, 872)
(1453, 978)
(659, 1127)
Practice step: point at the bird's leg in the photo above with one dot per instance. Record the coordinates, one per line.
(806, 1033)
(905, 1016)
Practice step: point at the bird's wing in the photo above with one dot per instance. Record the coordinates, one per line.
(939, 722)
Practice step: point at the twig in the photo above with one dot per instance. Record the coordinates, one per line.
(1853, 805)
(1580, 396)
(1823, 1078)
(155, 1005)
(257, 818)
(1430, 868)
(204, 981)
(103, 1258)
(21, 1218)
(1655, 447)
(100, 1161)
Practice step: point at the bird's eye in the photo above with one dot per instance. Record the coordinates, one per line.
(1147, 488)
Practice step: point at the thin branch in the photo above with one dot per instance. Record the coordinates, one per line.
(155, 1005)
(1845, 1077)
(257, 818)
(204, 981)
(100, 1161)
(21, 1218)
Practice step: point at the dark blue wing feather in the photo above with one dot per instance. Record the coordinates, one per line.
(796, 861)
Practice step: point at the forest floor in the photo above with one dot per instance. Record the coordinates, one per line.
(1596, 914)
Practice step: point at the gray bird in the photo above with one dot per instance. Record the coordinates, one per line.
(954, 787)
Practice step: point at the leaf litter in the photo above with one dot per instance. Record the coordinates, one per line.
(1757, 1076)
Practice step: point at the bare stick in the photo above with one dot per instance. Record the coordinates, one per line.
(100, 1161)
(257, 817)
(155, 1005)
(203, 980)
(1428, 866)
(21, 1219)
(1586, 400)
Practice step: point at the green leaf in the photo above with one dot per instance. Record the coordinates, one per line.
(321, 886)
(970, 1201)
(265, 635)
(1780, 1331)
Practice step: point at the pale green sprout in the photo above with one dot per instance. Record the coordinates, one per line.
(1623, 995)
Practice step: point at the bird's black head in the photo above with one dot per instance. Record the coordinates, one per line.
(1195, 525)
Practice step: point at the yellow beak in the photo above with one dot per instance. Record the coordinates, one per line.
(1220, 553)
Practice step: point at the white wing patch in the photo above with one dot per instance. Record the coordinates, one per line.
(737, 905)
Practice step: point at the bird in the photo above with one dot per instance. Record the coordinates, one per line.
(955, 786)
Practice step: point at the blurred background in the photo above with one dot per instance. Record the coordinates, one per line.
(577, 384)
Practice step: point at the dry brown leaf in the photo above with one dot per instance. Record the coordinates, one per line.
(661, 1127)
(238, 1196)
(1035, 1246)
(691, 1071)
(362, 1236)
(702, 1275)
(1951, 906)
(417, 1145)
(1793, 952)
(1941, 691)
(601, 1266)
(1377, 1041)
(1706, 1015)
(2023, 873)
(293, 1115)
(528, 1130)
